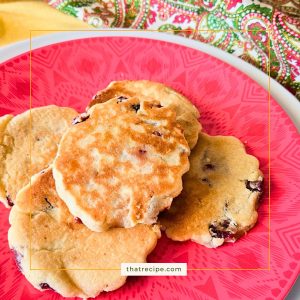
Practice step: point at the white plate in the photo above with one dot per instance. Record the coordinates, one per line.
(284, 98)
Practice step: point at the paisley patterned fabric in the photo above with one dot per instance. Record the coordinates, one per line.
(240, 27)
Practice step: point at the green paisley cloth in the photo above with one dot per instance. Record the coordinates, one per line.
(240, 27)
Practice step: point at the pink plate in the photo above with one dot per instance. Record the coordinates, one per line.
(70, 73)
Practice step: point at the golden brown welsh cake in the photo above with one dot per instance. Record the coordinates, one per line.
(220, 194)
(123, 164)
(23, 140)
(61, 244)
(186, 113)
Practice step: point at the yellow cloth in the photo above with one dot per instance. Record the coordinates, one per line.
(17, 18)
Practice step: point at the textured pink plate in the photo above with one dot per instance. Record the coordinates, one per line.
(70, 73)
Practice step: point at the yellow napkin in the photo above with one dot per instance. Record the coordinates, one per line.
(17, 18)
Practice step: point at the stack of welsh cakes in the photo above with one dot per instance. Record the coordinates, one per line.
(107, 181)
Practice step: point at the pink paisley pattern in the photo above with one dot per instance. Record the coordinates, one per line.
(230, 103)
(212, 21)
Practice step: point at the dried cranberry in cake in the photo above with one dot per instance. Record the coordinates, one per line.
(158, 105)
(9, 201)
(254, 186)
(223, 229)
(45, 286)
(157, 133)
(225, 223)
(121, 99)
(77, 220)
(18, 258)
(216, 233)
(136, 107)
(208, 167)
(206, 181)
(50, 206)
(81, 118)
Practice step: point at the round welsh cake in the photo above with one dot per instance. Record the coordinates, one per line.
(220, 194)
(66, 256)
(122, 163)
(187, 114)
(28, 144)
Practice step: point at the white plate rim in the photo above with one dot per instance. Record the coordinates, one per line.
(281, 95)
